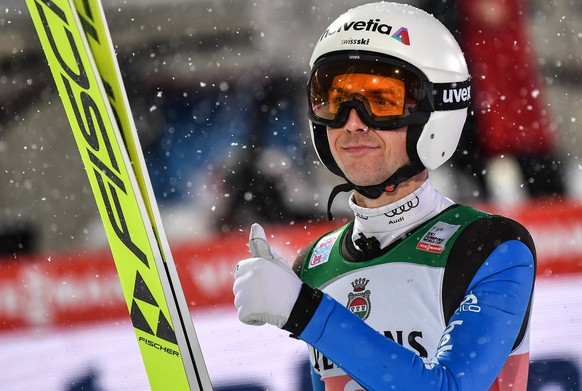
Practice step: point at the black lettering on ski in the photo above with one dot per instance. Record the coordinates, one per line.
(90, 107)
(158, 346)
(111, 97)
(90, 111)
(89, 130)
(107, 171)
(79, 78)
(117, 219)
(87, 21)
(90, 120)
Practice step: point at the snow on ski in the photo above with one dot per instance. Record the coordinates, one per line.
(79, 51)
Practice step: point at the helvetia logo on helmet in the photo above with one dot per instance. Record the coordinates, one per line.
(373, 25)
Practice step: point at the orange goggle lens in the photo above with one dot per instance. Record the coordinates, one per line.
(382, 96)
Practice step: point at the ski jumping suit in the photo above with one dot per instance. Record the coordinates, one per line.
(443, 307)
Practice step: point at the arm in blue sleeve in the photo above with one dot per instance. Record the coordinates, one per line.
(474, 345)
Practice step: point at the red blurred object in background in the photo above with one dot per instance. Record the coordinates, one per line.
(507, 91)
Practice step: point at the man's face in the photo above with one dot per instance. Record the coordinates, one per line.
(367, 156)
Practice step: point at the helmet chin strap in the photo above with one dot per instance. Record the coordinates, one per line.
(375, 191)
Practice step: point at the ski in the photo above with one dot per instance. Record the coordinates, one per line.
(79, 51)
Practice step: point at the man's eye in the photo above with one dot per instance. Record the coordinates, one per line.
(382, 101)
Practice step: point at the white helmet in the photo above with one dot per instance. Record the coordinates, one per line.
(401, 42)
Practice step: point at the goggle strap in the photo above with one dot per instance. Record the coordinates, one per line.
(343, 187)
(451, 96)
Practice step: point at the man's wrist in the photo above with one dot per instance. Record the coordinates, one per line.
(303, 310)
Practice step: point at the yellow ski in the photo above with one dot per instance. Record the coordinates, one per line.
(79, 51)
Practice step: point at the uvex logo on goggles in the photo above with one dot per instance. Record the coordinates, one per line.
(452, 96)
(373, 25)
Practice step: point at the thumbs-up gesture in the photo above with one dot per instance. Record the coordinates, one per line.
(265, 288)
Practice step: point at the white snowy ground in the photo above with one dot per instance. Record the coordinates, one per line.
(50, 359)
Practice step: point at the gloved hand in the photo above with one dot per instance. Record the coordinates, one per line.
(265, 288)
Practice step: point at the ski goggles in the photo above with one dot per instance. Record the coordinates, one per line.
(387, 93)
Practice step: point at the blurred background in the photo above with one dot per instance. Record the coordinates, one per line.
(217, 92)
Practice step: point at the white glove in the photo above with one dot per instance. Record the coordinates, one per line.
(265, 288)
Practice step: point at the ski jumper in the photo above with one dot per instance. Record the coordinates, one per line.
(443, 306)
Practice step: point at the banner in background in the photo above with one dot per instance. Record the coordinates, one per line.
(63, 289)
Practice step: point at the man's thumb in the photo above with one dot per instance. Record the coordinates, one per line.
(258, 243)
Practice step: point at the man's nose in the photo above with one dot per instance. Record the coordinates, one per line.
(354, 123)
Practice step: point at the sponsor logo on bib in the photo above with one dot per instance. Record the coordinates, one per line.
(435, 239)
(322, 250)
